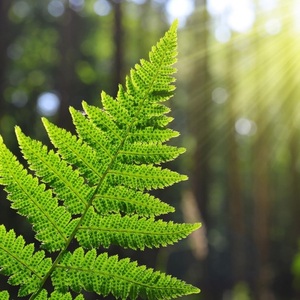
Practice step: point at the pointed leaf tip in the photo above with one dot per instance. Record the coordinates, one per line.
(174, 25)
(196, 290)
(17, 130)
(198, 225)
(184, 177)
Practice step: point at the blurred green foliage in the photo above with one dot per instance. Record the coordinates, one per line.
(236, 105)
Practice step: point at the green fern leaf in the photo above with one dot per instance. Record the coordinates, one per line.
(52, 222)
(129, 232)
(95, 188)
(105, 144)
(139, 152)
(142, 177)
(18, 261)
(64, 181)
(76, 152)
(105, 123)
(103, 275)
(90, 166)
(148, 153)
(120, 199)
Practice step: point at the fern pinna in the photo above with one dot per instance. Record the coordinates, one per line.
(94, 189)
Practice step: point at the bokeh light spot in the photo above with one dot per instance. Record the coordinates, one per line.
(217, 7)
(56, 8)
(268, 5)
(76, 5)
(48, 104)
(222, 34)
(102, 7)
(21, 9)
(219, 95)
(241, 17)
(179, 10)
(139, 2)
(244, 126)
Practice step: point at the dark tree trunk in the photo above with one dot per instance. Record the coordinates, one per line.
(235, 201)
(118, 43)
(291, 120)
(199, 124)
(261, 178)
(6, 37)
(199, 114)
(262, 208)
(67, 83)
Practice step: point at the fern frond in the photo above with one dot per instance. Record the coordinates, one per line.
(129, 231)
(95, 188)
(152, 135)
(148, 153)
(143, 176)
(73, 150)
(18, 261)
(76, 152)
(64, 181)
(105, 123)
(146, 176)
(51, 222)
(104, 143)
(102, 120)
(121, 199)
(103, 275)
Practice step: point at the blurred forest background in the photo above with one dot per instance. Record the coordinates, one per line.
(236, 105)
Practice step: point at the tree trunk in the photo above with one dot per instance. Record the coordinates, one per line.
(291, 119)
(118, 43)
(6, 37)
(68, 84)
(199, 124)
(236, 205)
(261, 178)
(262, 207)
(199, 113)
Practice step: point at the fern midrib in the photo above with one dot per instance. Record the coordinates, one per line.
(148, 153)
(127, 133)
(130, 231)
(116, 172)
(121, 199)
(102, 178)
(119, 277)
